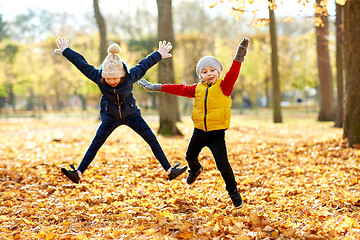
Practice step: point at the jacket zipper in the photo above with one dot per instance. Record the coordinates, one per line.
(118, 100)
(205, 105)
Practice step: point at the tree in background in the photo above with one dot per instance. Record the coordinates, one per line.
(31, 26)
(339, 67)
(3, 28)
(322, 46)
(102, 31)
(277, 118)
(168, 104)
(351, 18)
(8, 52)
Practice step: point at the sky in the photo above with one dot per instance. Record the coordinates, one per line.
(78, 8)
(11, 8)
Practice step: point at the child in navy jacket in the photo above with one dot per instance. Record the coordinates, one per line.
(117, 104)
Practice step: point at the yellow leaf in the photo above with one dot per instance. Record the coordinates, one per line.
(255, 219)
(50, 236)
(27, 221)
(323, 3)
(185, 234)
(356, 146)
(242, 237)
(218, 227)
(289, 19)
(81, 237)
(213, 4)
(235, 229)
(150, 231)
(341, 2)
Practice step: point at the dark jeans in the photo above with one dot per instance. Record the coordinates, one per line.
(215, 141)
(109, 124)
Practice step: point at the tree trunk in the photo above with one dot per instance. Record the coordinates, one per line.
(267, 91)
(339, 67)
(351, 18)
(102, 30)
(11, 97)
(168, 105)
(326, 85)
(275, 69)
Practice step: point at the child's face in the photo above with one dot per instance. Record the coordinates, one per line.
(209, 74)
(112, 81)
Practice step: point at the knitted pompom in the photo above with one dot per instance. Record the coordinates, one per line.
(114, 49)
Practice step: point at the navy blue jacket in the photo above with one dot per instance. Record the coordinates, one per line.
(117, 101)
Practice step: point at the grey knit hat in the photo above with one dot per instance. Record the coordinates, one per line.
(208, 61)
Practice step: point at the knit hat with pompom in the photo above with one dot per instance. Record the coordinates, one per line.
(112, 67)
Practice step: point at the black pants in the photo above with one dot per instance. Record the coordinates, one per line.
(215, 141)
(109, 124)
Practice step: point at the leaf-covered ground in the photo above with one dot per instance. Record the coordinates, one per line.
(299, 180)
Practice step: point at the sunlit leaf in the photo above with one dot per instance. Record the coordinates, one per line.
(341, 2)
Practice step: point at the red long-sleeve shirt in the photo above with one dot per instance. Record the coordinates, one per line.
(227, 84)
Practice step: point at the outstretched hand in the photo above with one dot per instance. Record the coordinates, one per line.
(164, 49)
(242, 50)
(152, 87)
(62, 45)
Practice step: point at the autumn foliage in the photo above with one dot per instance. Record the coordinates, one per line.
(299, 180)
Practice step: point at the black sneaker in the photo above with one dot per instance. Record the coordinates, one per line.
(193, 175)
(236, 198)
(175, 171)
(72, 175)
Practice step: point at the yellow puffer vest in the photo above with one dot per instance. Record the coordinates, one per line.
(212, 109)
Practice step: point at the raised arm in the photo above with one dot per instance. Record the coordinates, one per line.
(231, 76)
(77, 59)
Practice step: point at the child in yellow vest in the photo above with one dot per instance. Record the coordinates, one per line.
(211, 114)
